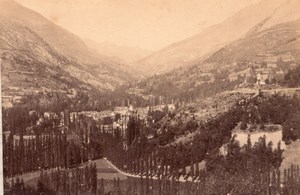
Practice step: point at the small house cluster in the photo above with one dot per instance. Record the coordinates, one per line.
(269, 69)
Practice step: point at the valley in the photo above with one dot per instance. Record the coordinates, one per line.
(216, 113)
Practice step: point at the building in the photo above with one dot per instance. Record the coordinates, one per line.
(261, 79)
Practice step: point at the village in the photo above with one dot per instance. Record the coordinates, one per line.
(268, 70)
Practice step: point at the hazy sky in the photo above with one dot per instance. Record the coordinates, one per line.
(149, 24)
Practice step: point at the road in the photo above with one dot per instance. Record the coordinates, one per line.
(105, 170)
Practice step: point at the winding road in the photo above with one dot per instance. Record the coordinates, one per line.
(105, 170)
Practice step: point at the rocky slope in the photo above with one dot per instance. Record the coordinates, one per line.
(29, 63)
(29, 40)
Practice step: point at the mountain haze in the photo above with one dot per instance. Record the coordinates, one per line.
(121, 54)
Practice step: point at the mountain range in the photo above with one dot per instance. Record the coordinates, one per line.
(32, 45)
(36, 53)
(196, 49)
(270, 52)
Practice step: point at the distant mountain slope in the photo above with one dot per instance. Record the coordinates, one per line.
(271, 52)
(279, 40)
(199, 47)
(64, 41)
(28, 59)
(121, 54)
(28, 63)
(288, 11)
(78, 61)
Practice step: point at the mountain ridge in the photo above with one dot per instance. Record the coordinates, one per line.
(198, 47)
(77, 60)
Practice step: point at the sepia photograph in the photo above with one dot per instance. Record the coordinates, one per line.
(150, 97)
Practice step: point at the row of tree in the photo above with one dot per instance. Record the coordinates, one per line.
(53, 146)
(83, 181)
(142, 160)
(73, 181)
(182, 160)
